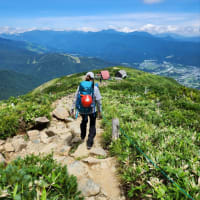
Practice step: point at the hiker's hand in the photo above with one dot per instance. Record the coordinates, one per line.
(72, 112)
(99, 115)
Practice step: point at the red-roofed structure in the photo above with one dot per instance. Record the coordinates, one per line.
(105, 75)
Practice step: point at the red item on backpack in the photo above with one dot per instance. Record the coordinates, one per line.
(86, 101)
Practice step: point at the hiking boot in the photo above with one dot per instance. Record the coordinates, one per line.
(89, 144)
(88, 147)
(82, 137)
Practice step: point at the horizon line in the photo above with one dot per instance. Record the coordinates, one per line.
(125, 30)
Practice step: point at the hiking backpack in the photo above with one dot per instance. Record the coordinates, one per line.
(85, 88)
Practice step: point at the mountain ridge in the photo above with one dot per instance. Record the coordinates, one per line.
(20, 57)
(116, 46)
(158, 114)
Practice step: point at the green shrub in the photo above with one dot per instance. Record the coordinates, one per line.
(37, 178)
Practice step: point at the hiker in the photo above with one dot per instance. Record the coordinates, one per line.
(101, 79)
(88, 90)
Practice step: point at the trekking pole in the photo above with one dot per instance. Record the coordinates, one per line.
(76, 116)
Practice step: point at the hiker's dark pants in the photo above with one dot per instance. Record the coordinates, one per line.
(92, 130)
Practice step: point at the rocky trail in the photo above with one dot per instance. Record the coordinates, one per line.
(94, 169)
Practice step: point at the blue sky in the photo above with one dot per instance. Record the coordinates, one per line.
(154, 16)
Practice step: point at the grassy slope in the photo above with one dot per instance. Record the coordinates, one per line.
(163, 120)
(17, 114)
(159, 114)
(14, 84)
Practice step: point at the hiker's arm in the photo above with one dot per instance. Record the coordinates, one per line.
(98, 100)
(74, 101)
(99, 106)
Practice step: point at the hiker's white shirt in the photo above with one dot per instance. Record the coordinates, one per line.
(97, 99)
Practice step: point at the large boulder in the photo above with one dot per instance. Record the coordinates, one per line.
(41, 120)
(41, 123)
(78, 169)
(61, 113)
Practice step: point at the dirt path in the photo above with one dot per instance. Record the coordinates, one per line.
(94, 169)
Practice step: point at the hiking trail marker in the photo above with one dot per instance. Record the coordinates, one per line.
(115, 129)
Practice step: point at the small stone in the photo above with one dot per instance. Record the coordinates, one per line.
(34, 135)
(9, 147)
(91, 160)
(2, 159)
(88, 187)
(64, 150)
(77, 169)
(98, 151)
(69, 119)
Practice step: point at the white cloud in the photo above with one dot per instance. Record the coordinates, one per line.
(182, 23)
(152, 1)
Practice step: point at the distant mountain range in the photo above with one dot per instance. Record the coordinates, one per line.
(35, 57)
(173, 36)
(31, 65)
(118, 47)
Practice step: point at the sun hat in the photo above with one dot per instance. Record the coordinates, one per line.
(91, 74)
